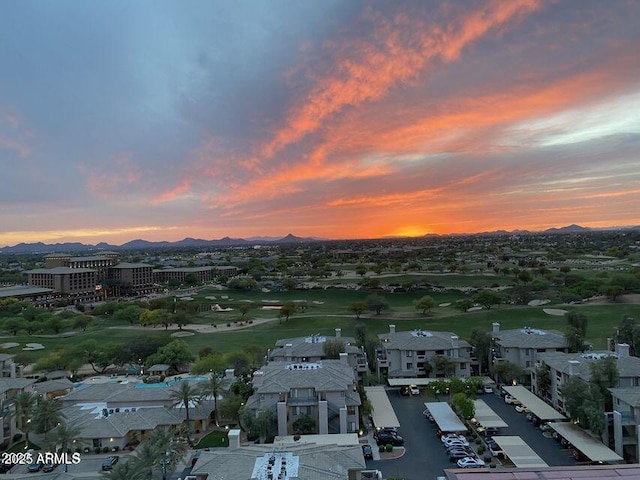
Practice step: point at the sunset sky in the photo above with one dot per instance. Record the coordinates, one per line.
(162, 120)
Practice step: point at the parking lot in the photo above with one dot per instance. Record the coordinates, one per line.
(425, 457)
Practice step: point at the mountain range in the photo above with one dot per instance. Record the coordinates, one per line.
(139, 244)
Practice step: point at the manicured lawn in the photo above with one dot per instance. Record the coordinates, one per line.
(22, 447)
(215, 439)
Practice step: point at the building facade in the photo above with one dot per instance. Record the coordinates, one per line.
(325, 391)
(413, 354)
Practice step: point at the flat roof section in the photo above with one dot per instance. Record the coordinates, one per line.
(383, 414)
(537, 406)
(405, 382)
(590, 446)
(486, 416)
(521, 454)
(446, 418)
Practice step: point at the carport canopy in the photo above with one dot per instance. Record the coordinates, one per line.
(405, 382)
(486, 416)
(382, 414)
(446, 418)
(591, 447)
(536, 405)
(521, 454)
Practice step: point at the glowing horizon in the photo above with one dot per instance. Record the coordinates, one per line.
(338, 120)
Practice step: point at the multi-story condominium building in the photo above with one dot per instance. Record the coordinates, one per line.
(523, 345)
(131, 278)
(181, 274)
(324, 391)
(11, 384)
(562, 366)
(626, 422)
(404, 354)
(75, 283)
(100, 263)
(312, 349)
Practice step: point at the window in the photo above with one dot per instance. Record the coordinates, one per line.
(527, 364)
(409, 365)
(463, 366)
(527, 352)
(409, 353)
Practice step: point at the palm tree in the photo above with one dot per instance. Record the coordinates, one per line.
(168, 451)
(64, 435)
(212, 388)
(25, 403)
(48, 415)
(185, 395)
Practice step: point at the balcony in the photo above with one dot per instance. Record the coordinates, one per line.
(301, 401)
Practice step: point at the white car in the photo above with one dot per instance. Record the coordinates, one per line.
(414, 390)
(456, 441)
(487, 389)
(522, 409)
(509, 400)
(451, 436)
(470, 462)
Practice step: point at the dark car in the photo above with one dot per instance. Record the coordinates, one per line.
(49, 467)
(488, 431)
(386, 438)
(404, 391)
(458, 454)
(391, 430)
(34, 467)
(109, 462)
(367, 451)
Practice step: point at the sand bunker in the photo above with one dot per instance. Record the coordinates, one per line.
(537, 303)
(474, 309)
(188, 299)
(211, 298)
(218, 308)
(557, 312)
(9, 345)
(271, 307)
(33, 346)
(182, 334)
(318, 302)
(271, 301)
(447, 304)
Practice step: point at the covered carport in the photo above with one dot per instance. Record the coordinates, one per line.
(521, 454)
(486, 416)
(590, 447)
(536, 405)
(445, 418)
(405, 382)
(382, 414)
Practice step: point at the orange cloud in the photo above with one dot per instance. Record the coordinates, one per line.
(113, 177)
(14, 135)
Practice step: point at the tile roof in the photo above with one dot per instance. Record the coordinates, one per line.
(420, 340)
(332, 375)
(628, 367)
(530, 338)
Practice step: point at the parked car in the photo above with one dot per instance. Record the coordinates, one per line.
(367, 451)
(487, 389)
(49, 467)
(455, 455)
(522, 409)
(470, 462)
(451, 436)
(385, 438)
(488, 431)
(509, 400)
(404, 391)
(414, 390)
(456, 441)
(392, 430)
(109, 462)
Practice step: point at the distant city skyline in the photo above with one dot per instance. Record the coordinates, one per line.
(163, 120)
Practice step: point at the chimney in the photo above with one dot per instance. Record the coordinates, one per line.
(338, 332)
(288, 351)
(392, 329)
(455, 346)
(344, 358)
(622, 349)
(496, 328)
(258, 378)
(229, 373)
(573, 367)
